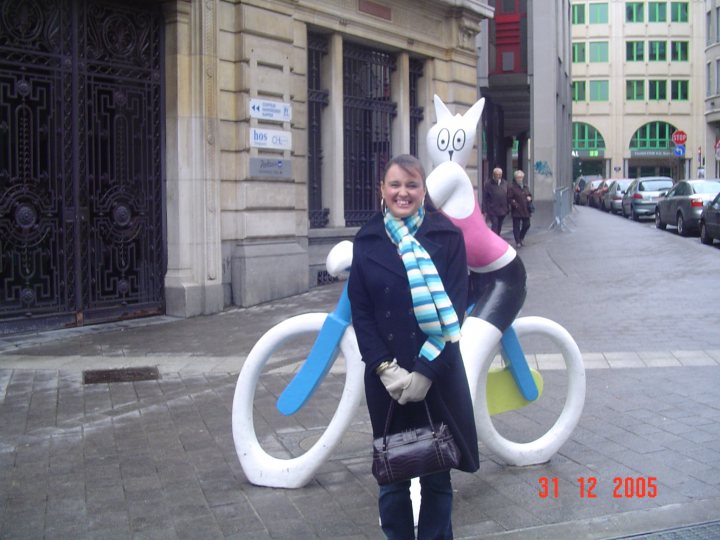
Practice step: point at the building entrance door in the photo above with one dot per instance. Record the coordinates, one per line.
(82, 235)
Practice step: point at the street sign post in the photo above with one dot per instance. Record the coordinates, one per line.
(679, 150)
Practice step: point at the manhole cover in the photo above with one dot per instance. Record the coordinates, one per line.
(97, 376)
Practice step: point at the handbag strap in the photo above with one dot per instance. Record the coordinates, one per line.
(390, 414)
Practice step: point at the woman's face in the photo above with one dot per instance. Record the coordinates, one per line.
(403, 191)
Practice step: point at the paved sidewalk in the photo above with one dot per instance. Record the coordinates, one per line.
(155, 459)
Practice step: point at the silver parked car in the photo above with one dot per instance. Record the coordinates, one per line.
(683, 204)
(642, 195)
(710, 222)
(612, 200)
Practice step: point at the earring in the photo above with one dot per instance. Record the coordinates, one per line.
(383, 206)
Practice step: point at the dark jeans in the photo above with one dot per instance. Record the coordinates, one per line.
(520, 228)
(396, 514)
(496, 223)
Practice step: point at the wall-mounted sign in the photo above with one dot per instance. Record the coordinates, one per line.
(270, 110)
(270, 138)
(651, 153)
(270, 167)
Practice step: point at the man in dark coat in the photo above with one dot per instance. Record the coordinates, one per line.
(495, 200)
(520, 201)
(386, 328)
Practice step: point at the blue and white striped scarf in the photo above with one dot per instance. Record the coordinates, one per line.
(434, 311)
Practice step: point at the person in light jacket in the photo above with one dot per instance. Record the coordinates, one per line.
(406, 360)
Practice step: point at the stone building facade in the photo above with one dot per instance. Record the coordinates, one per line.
(238, 227)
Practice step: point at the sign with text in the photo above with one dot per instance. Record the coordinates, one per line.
(269, 167)
(679, 137)
(270, 110)
(270, 138)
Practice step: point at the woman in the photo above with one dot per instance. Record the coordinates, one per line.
(405, 360)
(519, 199)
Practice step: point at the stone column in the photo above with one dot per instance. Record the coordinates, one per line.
(193, 281)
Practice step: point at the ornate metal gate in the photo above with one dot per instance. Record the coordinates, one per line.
(81, 176)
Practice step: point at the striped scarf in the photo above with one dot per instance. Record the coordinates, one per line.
(433, 309)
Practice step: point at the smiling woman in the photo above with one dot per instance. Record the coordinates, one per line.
(403, 188)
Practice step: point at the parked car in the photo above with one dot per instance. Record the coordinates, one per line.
(612, 200)
(596, 197)
(590, 187)
(581, 182)
(642, 195)
(710, 221)
(683, 204)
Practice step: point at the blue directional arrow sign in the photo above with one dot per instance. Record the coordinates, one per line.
(679, 150)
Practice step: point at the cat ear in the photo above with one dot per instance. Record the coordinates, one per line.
(475, 112)
(441, 111)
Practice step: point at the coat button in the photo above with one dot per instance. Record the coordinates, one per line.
(390, 337)
(387, 314)
(412, 335)
(387, 290)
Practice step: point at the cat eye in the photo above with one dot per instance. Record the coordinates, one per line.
(443, 140)
(459, 140)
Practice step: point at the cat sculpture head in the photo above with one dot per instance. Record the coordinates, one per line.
(452, 137)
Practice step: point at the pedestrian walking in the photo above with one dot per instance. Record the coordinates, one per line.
(521, 206)
(408, 291)
(495, 200)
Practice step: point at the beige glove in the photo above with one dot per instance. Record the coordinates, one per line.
(416, 390)
(394, 378)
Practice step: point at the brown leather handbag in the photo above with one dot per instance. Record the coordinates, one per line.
(414, 452)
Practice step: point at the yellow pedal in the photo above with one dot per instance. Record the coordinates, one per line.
(503, 394)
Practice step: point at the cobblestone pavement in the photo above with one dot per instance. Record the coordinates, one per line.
(155, 459)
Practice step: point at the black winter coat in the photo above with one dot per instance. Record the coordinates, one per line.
(495, 197)
(386, 328)
(517, 197)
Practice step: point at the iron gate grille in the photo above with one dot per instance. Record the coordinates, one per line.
(416, 112)
(317, 101)
(81, 190)
(368, 114)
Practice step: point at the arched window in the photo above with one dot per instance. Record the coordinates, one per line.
(653, 136)
(587, 141)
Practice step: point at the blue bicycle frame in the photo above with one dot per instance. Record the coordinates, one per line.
(327, 345)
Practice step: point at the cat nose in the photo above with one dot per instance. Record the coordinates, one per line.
(451, 153)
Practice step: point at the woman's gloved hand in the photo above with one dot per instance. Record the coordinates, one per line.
(393, 377)
(416, 389)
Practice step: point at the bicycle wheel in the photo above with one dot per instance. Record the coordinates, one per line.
(261, 468)
(542, 448)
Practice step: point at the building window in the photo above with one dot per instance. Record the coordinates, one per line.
(578, 13)
(653, 136)
(657, 51)
(717, 25)
(586, 137)
(598, 13)
(367, 132)
(578, 52)
(657, 11)
(708, 80)
(679, 90)
(635, 51)
(578, 91)
(679, 51)
(679, 11)
(717, 77)
(598, 51)
(657, 90)
(635, 90)
(634, 12)
(317, 101)
(599, 90)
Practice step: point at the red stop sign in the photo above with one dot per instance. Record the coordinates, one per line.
(679, 137)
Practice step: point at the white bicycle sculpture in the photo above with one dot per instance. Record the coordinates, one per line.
(493, 390)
